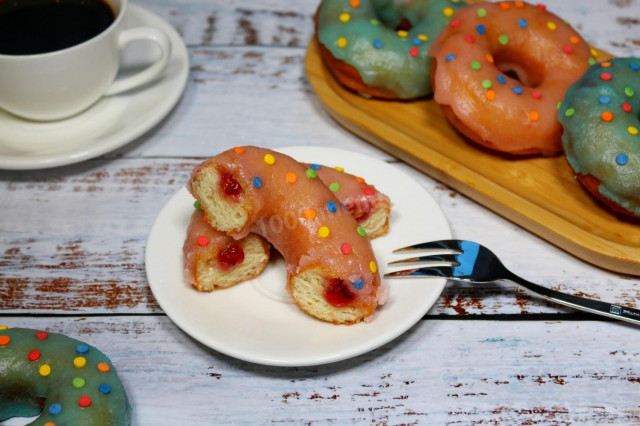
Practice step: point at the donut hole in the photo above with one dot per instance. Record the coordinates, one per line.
(518, 68)
(397, 19)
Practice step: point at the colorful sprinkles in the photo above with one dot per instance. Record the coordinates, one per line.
(345, 27)
(482, 28)
(60, 404)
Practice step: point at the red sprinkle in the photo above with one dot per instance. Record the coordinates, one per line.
(84, 401)
(41, 335)
(541, 6)
(626, 107)
(454, 23)
(202, 241)
(414, 51)
(536, 95)
(369, 191)
(345, 248)
(469, 38)
(567, 49)
(605, 76)
(34, 355)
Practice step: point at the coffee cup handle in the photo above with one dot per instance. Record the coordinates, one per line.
(152, 71)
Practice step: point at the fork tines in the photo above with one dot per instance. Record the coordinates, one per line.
(438, 256)
(432, 247)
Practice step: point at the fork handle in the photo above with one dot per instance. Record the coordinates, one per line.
(622, 313)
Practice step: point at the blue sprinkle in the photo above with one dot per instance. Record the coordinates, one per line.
(417, 41)
(82, 349)
(105, 388)
(634, 66)
(315, 166)
(517, 90)
(523, 23)
(332, 206)
(481, 29)
(358, 284)
(501, 79)
(622, 159)
(55, 409)
(257, 182)
(604, 100)
(377, 43)
(450, 57)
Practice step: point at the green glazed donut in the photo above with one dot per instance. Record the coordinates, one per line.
(600, 136)
(379, 47)
(64, 380)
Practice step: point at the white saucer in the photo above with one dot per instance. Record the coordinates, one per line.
(110, 123)
(256, 321)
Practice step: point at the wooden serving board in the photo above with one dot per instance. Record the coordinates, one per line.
(539, 194)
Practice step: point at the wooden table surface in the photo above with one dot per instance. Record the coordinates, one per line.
(72, 246)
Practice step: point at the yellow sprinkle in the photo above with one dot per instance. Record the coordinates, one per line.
(632, 130)
(447, 11)
(402, 33)
(552, 25)
(268, 158)
(3, 327)
(80, 361)
(373, 267)
(534, 116)
(342, 42)
(44, 370)
(340, 169)
(345, 17)
(323, 231)
(423, 37)
(594, 52)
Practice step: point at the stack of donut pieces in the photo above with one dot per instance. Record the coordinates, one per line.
(510, 76)
(319, 218)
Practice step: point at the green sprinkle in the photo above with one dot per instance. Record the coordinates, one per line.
(361, 231)
(591, 61)
(482, 12)
(334, 186)
(629, 91)
(374, 22)
(311, 174)
(486, 84)
(475, 65)
(558, 105)
(197, 205)
(503, 39)
(569, 112)
(78, 382)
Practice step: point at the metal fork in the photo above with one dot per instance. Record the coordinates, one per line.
(468, 261)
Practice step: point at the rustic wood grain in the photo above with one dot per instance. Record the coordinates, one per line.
(440, 372)
(72, 242)
(79, 246)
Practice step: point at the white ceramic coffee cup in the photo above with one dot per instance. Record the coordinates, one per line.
(60, 84)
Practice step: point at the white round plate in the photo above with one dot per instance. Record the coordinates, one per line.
(256, 321)
(111, 122)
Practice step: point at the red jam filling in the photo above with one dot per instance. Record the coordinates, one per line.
(359, 209)
(337, 293)
(229, 185)
(230, 257)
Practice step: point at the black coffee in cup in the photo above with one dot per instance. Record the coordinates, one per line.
(29, 27)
